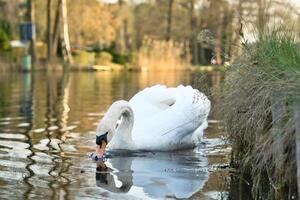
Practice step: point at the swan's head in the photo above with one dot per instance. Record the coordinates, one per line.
(117, 119)
(104, 134)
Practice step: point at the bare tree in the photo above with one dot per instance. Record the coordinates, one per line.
(66, 31)
(56, 28)
(193, 37)
(218, 40)
(238, 30)
(263, 14)
(49, 42)
(122, 36)
(31, 19)
(169, 19)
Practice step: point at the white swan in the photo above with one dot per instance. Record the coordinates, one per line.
(157, 118)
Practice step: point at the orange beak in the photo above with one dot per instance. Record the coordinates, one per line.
(100, 149)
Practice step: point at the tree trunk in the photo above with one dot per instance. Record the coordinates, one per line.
(234, 50)
(67, 46)
(56, 29)
(49, 42)
(218, 44)
(193, 34)
(261, 18)
(31, 18)
(169, 20)
(120, 40)
(126, 35)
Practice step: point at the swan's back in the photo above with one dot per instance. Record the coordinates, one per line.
(152, 100)
(169, 118)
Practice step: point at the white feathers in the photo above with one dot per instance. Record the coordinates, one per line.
(166, 118)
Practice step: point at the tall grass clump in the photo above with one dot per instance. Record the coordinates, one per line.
(163, 55)
(258, 98)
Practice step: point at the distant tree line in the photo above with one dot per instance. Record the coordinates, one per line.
(212, 29)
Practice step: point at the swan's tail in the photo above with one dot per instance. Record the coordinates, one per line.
(197, 108)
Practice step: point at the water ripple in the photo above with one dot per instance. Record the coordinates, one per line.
(47, 128)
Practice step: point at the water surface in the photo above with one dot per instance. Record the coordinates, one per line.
(47, 130)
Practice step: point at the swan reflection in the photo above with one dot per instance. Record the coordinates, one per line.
(108, 179)
(159, 175)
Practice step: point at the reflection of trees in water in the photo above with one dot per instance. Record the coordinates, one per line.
(98, 90)
(61, 166)
(7, 90)
(45, 102)
(59, 109)
(62, 111)
(56, 113)
(48, 117)
(91, 93)
(26, 111)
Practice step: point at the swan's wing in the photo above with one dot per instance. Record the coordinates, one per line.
(180, 125)
(152, 100)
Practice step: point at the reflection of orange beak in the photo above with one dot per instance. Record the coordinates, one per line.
(100, 149)
(101, 166)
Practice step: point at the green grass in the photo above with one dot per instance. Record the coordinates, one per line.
(266, 73)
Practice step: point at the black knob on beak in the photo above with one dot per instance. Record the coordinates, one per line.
(100, 138)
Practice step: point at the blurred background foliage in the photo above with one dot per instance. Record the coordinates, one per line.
(208, 31)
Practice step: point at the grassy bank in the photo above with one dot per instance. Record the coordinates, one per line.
(257, 106)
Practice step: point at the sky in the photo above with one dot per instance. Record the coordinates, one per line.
(296, 4)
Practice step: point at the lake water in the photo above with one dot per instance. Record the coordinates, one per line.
(47, 131)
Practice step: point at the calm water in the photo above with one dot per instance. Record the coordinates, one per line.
(47, 130)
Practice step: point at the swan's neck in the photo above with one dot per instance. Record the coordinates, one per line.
(122, 133)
